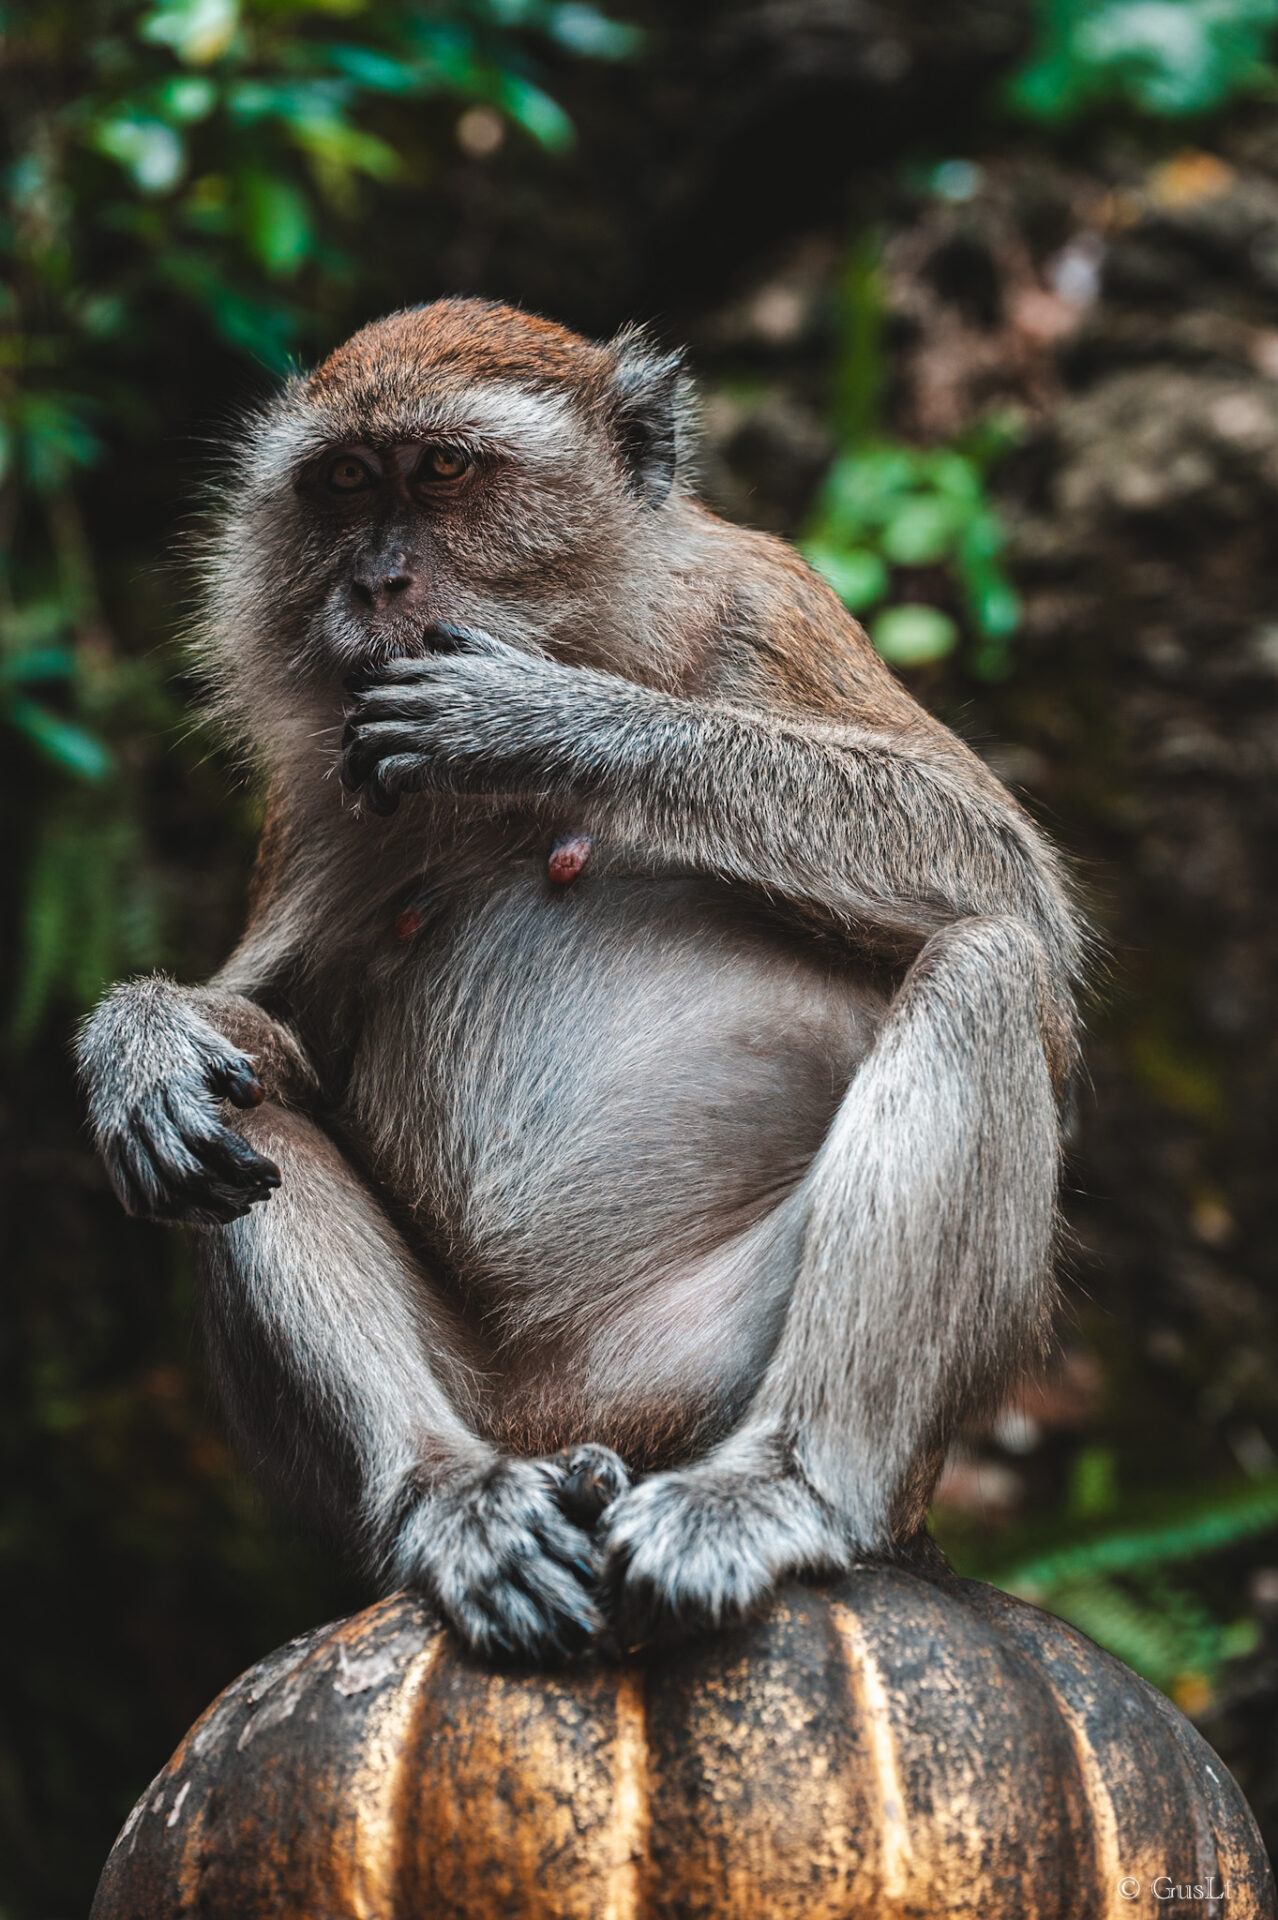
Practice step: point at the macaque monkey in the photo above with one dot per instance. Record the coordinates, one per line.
(624, 1144)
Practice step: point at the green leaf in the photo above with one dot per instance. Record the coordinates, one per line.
(859, 577)
(264, 330)
(54, 440)
(954, 475)
(914, 635)
(1093, 1484)
(920, 532)
(150, 149)
(1167, 58)
(48, 929)
(378, 72)
(864, 489)
(198, 31)
(35, 623)
(67, 745)
(43, 663)
(277, 221)
(996, 609)
(187, 97)
(335, 143)
(536, 113)
(586, 31)
(1216, 1520)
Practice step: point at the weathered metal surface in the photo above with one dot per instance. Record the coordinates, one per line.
(882, 1749)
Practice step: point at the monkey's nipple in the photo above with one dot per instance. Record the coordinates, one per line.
(568, 858)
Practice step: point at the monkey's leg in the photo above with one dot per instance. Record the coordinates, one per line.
(922, 1282)
(339, 1362)
(344, 1371)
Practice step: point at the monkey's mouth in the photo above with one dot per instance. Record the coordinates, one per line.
(351, 643)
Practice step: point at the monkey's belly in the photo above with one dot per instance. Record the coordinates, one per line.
(603, 1101)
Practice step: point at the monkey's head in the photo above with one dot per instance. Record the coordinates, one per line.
(459, 462)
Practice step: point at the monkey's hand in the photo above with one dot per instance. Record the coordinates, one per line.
(702, 1547)
(506, 1554)
(156, 1074)
(471, 715)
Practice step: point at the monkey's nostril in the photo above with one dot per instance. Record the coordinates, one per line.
(371, 590)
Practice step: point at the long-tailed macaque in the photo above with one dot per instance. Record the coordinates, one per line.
(624, 1144)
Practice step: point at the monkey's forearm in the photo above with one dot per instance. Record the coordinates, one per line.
(852, 825)
(157, 1061)
(887, 835)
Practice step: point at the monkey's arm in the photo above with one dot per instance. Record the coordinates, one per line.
(892, 832)
(157, 1061)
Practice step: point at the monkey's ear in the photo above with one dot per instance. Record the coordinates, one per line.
(645, 396)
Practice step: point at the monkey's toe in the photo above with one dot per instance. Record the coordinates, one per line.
(700, 1549)
(593, 1478)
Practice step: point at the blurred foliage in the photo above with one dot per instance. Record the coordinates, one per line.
(1103, 1563)
(1168, 58)
(892, 520)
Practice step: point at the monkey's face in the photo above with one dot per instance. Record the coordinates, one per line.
(461, 463)
(487, 506)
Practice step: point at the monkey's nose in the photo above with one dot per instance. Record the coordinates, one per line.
(378, 588)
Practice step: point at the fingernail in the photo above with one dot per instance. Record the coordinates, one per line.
(246, 1089)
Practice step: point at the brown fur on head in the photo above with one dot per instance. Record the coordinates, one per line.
(572, 461)
(459, 342)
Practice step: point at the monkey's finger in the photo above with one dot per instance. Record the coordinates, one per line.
(159, 1157)
(235, 1079)
(402, 773)
(213, 1147)
(539, 1611)
(224, 1152)
(378, 798)
(440, 638)
(360, 756)
(568, 1545)
(154, 1189)
(126, 1187)
(445, 636)
(371, 741)
(394, 700)
(210, 1205)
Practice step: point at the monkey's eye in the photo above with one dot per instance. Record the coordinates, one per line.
(443, 463)
(346, 474)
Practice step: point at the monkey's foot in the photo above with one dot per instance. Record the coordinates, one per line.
(498, 1555)
(700, 1548)
(594, 1476)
